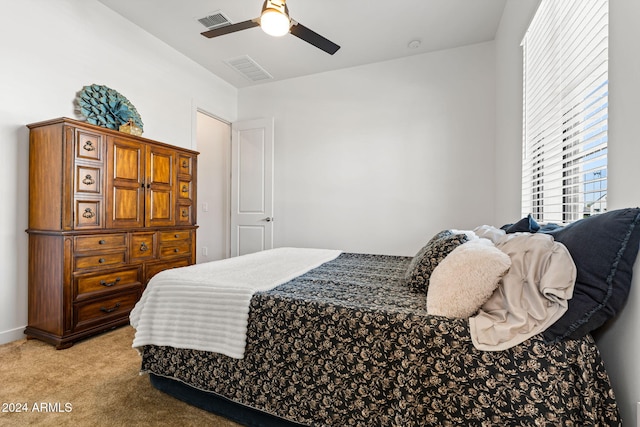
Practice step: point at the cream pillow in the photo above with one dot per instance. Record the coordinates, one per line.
(464, 280)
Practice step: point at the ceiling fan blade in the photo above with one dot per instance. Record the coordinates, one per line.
(310, 36)
(232, 28)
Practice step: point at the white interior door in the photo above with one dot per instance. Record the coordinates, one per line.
(251, 186)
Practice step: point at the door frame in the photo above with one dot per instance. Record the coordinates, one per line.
(225, 226)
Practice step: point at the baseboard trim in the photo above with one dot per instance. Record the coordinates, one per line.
(12, 335)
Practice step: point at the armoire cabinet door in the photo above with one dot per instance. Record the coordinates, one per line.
(160, 187)
(125, 183)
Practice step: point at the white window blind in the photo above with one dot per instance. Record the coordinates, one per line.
(565, 74)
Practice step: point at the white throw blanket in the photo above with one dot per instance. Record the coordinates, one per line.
(206, 306)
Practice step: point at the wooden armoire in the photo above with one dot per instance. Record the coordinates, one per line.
(107, 211)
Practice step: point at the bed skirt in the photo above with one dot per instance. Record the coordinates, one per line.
(217, 404)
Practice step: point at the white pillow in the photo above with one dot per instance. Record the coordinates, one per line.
(466, 279)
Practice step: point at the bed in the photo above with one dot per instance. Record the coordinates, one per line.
(349, 343)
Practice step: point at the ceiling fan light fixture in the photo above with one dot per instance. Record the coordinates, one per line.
(275, 19)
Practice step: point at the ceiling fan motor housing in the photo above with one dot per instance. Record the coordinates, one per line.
(277, 5)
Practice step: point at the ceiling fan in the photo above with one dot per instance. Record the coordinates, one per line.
(275, 21)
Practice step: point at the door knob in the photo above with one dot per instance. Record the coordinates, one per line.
(268, 219)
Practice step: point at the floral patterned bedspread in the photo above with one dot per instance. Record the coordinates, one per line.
(348, 344)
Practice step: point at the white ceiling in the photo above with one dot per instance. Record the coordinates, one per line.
(366, 32)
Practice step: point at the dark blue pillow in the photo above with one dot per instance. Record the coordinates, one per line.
(604, 248)
(526, 224)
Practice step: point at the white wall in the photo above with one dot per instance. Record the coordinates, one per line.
(508, 184)
(619, 342)
(49, 50)
(380, 157)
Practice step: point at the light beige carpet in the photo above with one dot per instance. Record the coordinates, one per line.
(94, 383)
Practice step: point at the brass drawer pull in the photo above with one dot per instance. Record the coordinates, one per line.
(101, 260)
(176, 236)
(144, 247)
(176, 250)
(88, 213)
(88, 180)
(185, 164)
(102, 242)
(185, 188)
(88, 146)
(185, 213)
(110, 310)
(109, 284)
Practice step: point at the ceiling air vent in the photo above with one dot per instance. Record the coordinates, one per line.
(215, 20)
(248, 68)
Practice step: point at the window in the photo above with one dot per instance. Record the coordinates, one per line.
(565, 111)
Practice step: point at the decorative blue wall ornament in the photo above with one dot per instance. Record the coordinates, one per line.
(106, 107)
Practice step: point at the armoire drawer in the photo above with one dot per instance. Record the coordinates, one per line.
(185, 165)
(88, 213)
(97, 311)
(184, 214)
(175, 250)
(100, 242)
(91, 285)
(185, 189)
(101, 260)
(174, 236)
(143, 246)
(88, 145)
